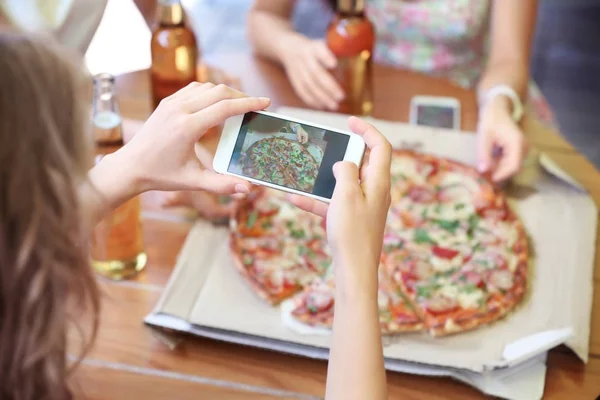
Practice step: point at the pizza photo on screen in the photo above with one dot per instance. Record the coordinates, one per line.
(455, 255)
(281, 152)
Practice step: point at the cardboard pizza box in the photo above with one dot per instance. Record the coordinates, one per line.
(206, 296)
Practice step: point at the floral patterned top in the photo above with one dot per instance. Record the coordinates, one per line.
(448, 38)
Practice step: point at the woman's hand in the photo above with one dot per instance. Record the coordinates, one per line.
(355, 223)
(358, 210)
(501, 146)
(306, 63)
(301, 134)
(165, 153)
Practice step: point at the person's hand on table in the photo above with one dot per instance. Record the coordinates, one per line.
(301, 134)
(307, 63)
(358, 210)
(501, 146)
(165, 153)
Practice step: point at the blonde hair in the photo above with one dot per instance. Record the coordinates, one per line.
(44, 266)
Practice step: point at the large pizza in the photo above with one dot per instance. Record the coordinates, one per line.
(455, 255)
(281, 161)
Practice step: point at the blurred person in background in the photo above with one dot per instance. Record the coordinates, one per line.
(478, 44)
(72, 22)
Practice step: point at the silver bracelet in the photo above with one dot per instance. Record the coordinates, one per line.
(517, 106)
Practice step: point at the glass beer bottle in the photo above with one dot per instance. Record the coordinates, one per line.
(351, 37)
(174, 52)
(117, 248)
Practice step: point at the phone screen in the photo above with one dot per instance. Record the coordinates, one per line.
(436, 116)
(289, 154)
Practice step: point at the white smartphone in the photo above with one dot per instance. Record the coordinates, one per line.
(439, 112)
(285, 153)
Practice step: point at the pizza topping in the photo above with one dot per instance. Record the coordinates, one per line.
(494, 213)
(319, 301)
(443, 264)
(276, 279)
(421, 194)
(392, 245)
(427, 169)
(267, 208)
(457, 180)
(472, 278)
(382, 299)
(502, 279)
(448, 225)
(450, 326)
(247, 259)
(471, 297)
(443, 252)
(449, 211)
(405, 167)
(252, 219)
(423, 270)
(440, 304)
(421, 236)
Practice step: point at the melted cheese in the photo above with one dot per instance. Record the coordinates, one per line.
(450, 326)
(449, 291)
(320, 299)
(504, 231)
(287, 211)
(453, 178)
(382, 300)
(471, 299)
(448, 211)
(512, 261)
(287, 308)
(446, 239)
(407, 167)
(443, 264)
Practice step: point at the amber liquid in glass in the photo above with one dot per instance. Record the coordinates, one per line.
(351, 38)
(174, 52)
(117, 248)
(117, 245)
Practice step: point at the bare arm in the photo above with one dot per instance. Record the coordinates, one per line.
(110, 183)
(513, 24)
(270, 29)
(356, 369)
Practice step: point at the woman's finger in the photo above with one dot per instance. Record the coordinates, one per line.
(301, 90)
(307, 204)
(485, 147)
(380, 156)
(203, 179)
(346, 178)
(325, 55)
(325, 81)
(508, 166)
(319, 94)
(218, 112)
(199, 99)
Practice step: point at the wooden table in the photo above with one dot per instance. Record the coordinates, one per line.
(128, 361)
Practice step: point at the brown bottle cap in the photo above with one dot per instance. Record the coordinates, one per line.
(351, 6)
